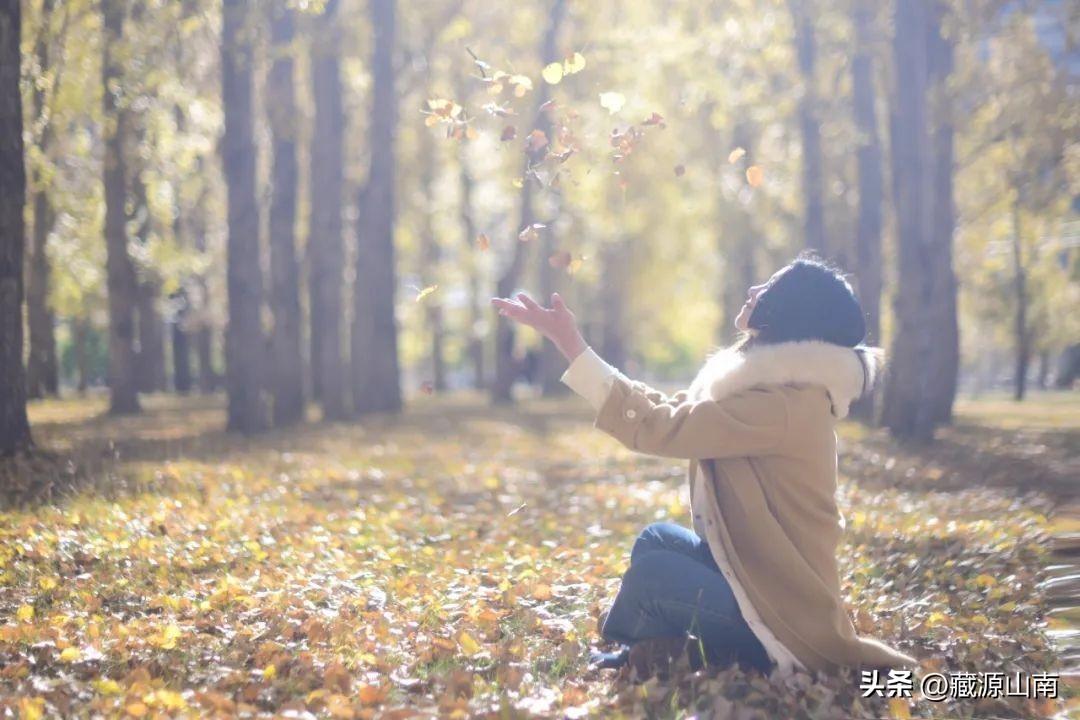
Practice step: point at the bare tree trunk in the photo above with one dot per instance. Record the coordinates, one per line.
(80, 327)
(809, 126)
(42, 374)
(204, 353)
(287, 358)
(14, 426)
(150, 358)
(244, 343)
(468, 228)
(149, 325)
(871, 192)
(906, 389)
(181, 344)
(505, 367)
(1044, 369)
(431, 256)
(325, 237)
(945, 362)
(1020, 324)
(376, 375)
(120, 271)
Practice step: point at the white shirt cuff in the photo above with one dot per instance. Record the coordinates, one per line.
(590, 377)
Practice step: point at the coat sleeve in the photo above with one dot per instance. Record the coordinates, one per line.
(751, 422)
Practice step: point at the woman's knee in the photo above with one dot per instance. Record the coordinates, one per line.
(655, 536)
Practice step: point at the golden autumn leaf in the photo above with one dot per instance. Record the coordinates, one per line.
(426, 291)
(70, 655)
(468, 644)
(24, 613)
(552, 73)
(735, 155)
(573, 64)
(755, 175)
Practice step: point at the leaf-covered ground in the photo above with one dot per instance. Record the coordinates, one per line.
(453, 562)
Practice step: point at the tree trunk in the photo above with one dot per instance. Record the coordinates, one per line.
(906, 389)
(150, 359)
(244, 343)
(1044, 369)
(945, 364)
(14, 427)
(809, 126)
(1020, 324)
(468, 229)
(80, 328)
(376, 375)
(286, 356)
(868, 271)
(325, 241)
(181, 344)
(204, 353)
(505, 366)
(42, 374)
(120, 270)
(431, 253)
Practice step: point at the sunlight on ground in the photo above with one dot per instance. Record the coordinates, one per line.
(449, 561)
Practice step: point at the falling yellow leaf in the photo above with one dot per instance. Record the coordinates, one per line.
(553, 73)
(985, 581)
(70, 655)
(47, 583)
(574, 64)
(531, 232)
(755, 175)
(24, 613)
(425, 292)
(107, 686)
(269, 672)
(735, 155)
(612, 101)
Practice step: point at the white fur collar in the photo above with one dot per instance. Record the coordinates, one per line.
(836, 368)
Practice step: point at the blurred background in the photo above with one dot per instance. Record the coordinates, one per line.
(335, 189)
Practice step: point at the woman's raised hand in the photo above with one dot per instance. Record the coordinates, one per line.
(556, 323)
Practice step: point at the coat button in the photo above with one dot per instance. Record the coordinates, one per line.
(631, 414)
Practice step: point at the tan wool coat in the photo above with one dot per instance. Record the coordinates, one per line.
(759, 429)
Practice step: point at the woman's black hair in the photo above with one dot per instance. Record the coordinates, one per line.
(810, 300)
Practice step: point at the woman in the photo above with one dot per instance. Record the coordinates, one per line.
(757, 579)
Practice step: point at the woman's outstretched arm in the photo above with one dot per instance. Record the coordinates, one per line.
(748, 423)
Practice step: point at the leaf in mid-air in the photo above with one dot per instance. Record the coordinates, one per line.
(612, 101)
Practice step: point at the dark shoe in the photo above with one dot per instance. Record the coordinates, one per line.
(660, 656)
(609, 660)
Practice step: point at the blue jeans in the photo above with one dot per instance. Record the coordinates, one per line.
(673, 587)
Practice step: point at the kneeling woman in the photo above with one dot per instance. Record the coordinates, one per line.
(757, 579)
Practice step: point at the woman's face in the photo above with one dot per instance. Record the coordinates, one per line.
(742, 320)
